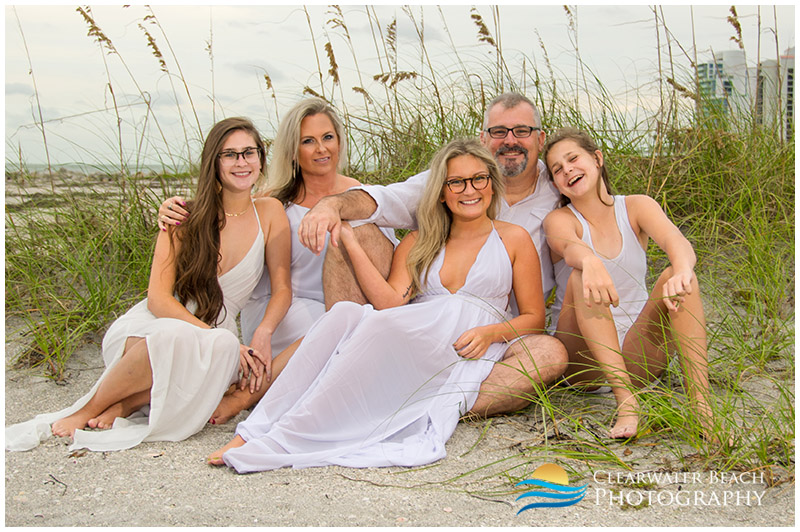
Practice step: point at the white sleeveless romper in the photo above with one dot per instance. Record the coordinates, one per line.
(627, 270)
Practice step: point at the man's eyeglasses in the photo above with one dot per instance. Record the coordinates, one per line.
(521, 132)
(250, 155)
(459, 185)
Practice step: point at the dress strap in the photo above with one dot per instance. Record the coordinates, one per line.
(258, 220)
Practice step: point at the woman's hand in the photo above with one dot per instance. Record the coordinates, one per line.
(262, 344)
(346, 234)
(598, 287)
(676, 288)
(473, 343)
(251, 368)
(172, 212)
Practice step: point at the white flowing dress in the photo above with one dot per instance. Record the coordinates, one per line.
(192, 368)
(380, 388)
(308, 301)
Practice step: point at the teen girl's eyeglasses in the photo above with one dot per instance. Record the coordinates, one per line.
(229, 157)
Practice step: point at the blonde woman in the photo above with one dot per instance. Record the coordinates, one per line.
(308, 153)
(386, 385)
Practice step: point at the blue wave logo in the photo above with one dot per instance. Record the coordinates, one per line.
(553, 479)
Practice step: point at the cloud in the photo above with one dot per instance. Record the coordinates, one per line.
(18, 88)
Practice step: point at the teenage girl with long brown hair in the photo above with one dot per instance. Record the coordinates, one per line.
(307, 157)
(173, 355)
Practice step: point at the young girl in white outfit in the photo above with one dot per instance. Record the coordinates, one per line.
(611, 325)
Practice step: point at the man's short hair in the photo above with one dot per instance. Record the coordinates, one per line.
(509, 100)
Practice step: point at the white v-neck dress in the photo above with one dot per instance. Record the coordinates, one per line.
(192, 368)
(380, 388)
(308, 301)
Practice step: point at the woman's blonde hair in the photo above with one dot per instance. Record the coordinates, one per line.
(284, 177)
(434, 217)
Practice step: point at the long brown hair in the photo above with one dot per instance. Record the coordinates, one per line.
(585, 142)
(197, 261)
(434, 217)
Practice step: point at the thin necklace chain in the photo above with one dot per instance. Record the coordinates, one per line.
(237, 213)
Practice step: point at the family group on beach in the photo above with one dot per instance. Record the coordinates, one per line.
(360, 351)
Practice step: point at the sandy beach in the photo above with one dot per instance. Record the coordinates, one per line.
(169, 484)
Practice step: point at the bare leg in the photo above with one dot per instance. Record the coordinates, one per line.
(645, 346)
(689, 330)
(338, 278)
(215, 458)
(597, 332)
(130, 376)
(535, 360)
(124, 408)
(233, 403)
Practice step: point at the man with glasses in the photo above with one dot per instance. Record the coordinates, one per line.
(512, 133)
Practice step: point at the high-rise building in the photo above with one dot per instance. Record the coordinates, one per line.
(728, 85)
(774, 97)
(725, 81)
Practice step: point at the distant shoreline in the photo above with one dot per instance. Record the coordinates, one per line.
(88, 169)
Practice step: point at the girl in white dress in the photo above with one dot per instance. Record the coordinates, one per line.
(174, 354)
(379, 387)
(614, 329)
(309, 150)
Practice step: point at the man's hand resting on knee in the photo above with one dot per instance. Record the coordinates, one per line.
(322, 219)
(327, 216)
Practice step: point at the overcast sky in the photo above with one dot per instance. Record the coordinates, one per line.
(619, 43)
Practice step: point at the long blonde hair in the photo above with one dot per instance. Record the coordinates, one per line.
(434, 217)
(284, 177)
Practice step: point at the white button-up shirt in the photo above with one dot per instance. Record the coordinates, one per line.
(397, 207)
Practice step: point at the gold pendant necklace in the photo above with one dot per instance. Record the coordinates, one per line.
(237, 213)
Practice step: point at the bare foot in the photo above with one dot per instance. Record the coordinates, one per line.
(230, 405)
(625, 427)
(68, 425)
(215, 458)
(107, 418)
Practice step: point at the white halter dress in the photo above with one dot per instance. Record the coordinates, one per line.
(380, 388)
(192, 368)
